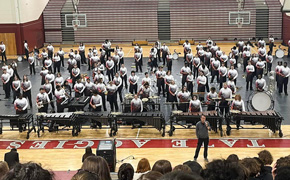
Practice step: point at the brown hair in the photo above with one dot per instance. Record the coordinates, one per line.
(143, 166)
(152, 175)
(182, 168)
(238, 97)
(3, 169)
(266, 157)
(162, 166)
(252, 165)
(98, 165)
(84, 175)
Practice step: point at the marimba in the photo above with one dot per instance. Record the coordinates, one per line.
(78, 103)
(213, 117)
(95, 118)
(54, 120)
(270, 119)
(20, 121)
(154, 119)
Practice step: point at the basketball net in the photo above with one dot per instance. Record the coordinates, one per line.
(240, 24)
(75, 27)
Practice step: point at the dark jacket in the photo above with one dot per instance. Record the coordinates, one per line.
(266, 173)
(201, 130)
(11, 158)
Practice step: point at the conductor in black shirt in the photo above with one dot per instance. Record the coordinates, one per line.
(11, 158)
(202, 128)
(88, 153)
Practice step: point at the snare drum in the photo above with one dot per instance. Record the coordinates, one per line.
(279, 53)
(175, 56)
(145, 100)
(261, 101)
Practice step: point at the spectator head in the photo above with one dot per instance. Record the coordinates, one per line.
(252, 165)
(233, 158)
(29, 171)
(97, 165)
(3, 168)
(266, 157)
(221, 169)
(182, 168)
(152, 175)
(126, 172)
(283, 173)
(85, 175)
(89, 150)
(282, 162)
(194, 166)
(179, 175)
(143, 166)
(162, 166)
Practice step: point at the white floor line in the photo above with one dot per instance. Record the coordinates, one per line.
(138, 133)
(129, 52)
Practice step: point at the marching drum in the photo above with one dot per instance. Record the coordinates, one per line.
(175, 56)
(279, 53)
(260, 101)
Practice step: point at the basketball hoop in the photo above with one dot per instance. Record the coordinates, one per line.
(240, 24)
(75, 27)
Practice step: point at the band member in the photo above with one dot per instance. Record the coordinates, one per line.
(44, 56)
(172, 89)
(26, 49)
(121, 56)
(235, 52)
(60, 53)
(42, 100)
(189, 59)
(184, 71)
(96, 102)
(50, 50)
(57, 63)
(141, 51)
(106, 46)
(260, 83)
(203, 68)
(145, 91)
(49, 90)
(158, 47)
(14, 67)
(209, 43)
(79, 88)
(102, 56)
(169, 58)
(26, 89)
(20, 105)
(60, 96)
(71, 63)
(48, 64)
(261, 43)
(36, 56)
(233, 74)
(4, 66)
(118, 82)
(218, 53)
(136, 104)
(246, 57)
(71, 53)
(224, 59)
(50, 77)
(254, 60)
(146, 79)
(277, 71)
(164, 50)
(225, 93)
(137, 58)
(196, 63)
(3, 51)
(133, 79)
(215, 65)
(89, 87)
(231, 84)
(233, 61)
(194, 105)
(11, 74)
(269, 60)
(75, 74)
(238, 104)
(5, 77)
(78, 58)
(93, 59)
(100, 87)
(189, 82)
(110, 68)
(31, 61)
(82, 49)
(98, 76)
(198, 47)
(250, 69)
(201, 83)
(211, 104)
(101, 67)
(59, 80)
(222, 74)
(90, 63)
(183, 97)
(167, 80)
(160, 74)
(241, 44)
(153, 56)
(43, 73)
(271, 44)
(186, 47)
(214, 49)
(260, 65)
(284, 73)
(201, 54)
(207, 57)
(16, 88)
(112, 96)
(262, 52)
(116, 60)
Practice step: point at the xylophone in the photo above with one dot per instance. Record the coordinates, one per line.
(270, 119)
(155, 119)
(96, 118)
(78, 103)
(54, 120)
(213, 117)
(21, 121)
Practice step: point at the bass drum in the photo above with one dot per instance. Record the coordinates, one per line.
(19, 58)
(260, 101)
(175, 56)
(279, 53)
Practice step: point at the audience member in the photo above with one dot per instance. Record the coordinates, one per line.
(182, 168)
(11, 158)
(152, 175)
(283, 173)
(266, 159)
(194, 166)
(3, 169)
(126, 172)
(88, 153)
(142, 168)
(85, 175)
(179, 175)
(162, 166)
(253, 166)
(233, 158)
(97, 165)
